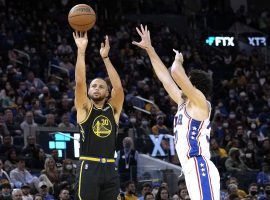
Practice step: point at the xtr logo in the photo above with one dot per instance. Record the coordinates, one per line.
(220, 41)
(257, 41)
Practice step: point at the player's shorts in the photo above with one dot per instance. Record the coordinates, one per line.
(97, 181)
(202, 179)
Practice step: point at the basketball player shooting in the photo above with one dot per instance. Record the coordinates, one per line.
(191, 123)
(98, 121)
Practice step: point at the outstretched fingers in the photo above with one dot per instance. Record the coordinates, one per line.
(139, 32)
(137, 44)
(107, 41)
(176, 51)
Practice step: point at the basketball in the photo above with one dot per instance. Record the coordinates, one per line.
(82, 17)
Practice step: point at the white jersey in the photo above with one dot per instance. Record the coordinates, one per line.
(192, 146)
(191, 136)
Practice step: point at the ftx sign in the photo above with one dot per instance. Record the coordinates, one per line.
(220, 41)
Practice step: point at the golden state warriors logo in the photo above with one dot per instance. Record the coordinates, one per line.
(102, 126)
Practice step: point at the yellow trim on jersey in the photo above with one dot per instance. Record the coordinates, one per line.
(87, 116)
(82, 132)
(102, 160)
(111, 107)
(113, 114)
(80, 179)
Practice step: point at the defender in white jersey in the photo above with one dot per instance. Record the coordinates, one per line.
(191, 125)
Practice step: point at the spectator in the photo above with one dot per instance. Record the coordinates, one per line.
(266, 194)
(160, 128)
(50, 121)
(17, 194)
(216, 150)
(233, 180)
(38, 160)
(130, 191)
(67, 176)
(12, 125)
(32, 81)
(58, 161)
(49, 174)
(30, 146)
(3, 126)
(148, 196)
(162, 194)
(263, 176)
(44, 191)
(234, 162)
(4, 177)
(7, 145)
(65, 122)
(253, 190)
(5, 191)
(12, 159)
(183, 194)
(38, 197)
(26, 192)
(20, 175)
(127, 161)
(28, 125)
(146, 188)
(64, 195)
(232, 189)
(250, 156)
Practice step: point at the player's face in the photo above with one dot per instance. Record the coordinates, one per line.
(98, 90)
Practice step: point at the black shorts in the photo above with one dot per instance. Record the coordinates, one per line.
(97, 181)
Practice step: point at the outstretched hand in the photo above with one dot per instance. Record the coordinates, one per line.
(178, 56)
(105, 48)
(81, 40)
(145, 42)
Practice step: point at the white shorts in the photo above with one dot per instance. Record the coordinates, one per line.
(202, 179)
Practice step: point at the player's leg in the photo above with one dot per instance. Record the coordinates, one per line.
(200, 180)
(88, 184)
(192, 183)
(215, 178)
(111, 186)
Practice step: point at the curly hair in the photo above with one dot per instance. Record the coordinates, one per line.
(202, 81)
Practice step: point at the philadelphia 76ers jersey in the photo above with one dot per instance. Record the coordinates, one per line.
(191, 136)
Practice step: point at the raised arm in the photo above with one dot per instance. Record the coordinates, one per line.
(160, 69)
(82, 103)
(182, 80)
(117, 94)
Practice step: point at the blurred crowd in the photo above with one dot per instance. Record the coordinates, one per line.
(32, 95)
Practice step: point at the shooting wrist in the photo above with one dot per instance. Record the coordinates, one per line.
(81, 52)
(150, 49)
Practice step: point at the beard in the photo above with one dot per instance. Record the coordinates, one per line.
(96, 97)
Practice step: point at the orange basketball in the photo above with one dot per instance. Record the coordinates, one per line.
(81, 17)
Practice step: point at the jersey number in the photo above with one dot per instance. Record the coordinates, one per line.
(178, 120)
(104, 122)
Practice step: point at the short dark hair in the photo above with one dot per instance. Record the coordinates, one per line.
(202, 81)
(129, 183)
(148, 193)
(145, 185)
